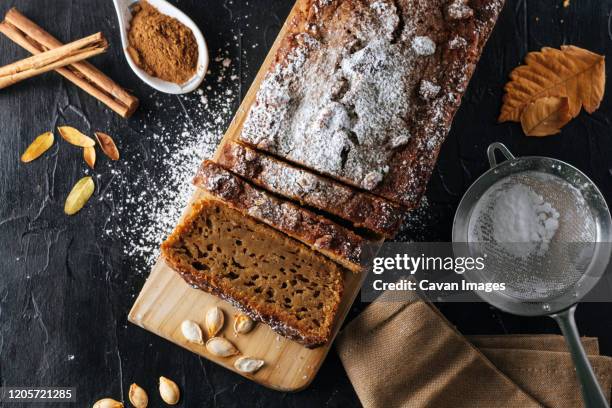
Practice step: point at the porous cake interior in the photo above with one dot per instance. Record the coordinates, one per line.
(267, 274)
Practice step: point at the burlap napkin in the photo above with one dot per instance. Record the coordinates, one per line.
(405, 354)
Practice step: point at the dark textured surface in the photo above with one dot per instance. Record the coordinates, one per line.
(65, 289)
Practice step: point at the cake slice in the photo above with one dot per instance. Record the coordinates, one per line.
(362, 210)
(321, 234)
(364, 91)
(269, 276)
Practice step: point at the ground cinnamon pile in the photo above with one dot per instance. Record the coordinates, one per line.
(161, 45)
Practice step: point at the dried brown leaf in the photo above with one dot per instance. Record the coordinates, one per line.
(89, 154)
(571, 72)
(36, 149)
(74, 137)
(107, 145)
(79, 195)
(546, 116)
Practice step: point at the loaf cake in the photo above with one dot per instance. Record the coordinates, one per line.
(364, 211)
(269, 276)
(348, 121)
(321, 234)
(365, 91)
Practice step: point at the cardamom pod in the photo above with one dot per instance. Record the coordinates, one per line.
(74, 137)
(108, 146)
(79, 195)
(89, 155)
(36, 149)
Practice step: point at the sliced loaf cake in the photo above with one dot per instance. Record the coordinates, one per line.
(271, 277)
(362, 210)
(321, 234)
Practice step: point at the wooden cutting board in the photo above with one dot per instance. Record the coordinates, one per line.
(166, 300)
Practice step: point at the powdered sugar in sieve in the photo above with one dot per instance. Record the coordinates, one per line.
(537, 232)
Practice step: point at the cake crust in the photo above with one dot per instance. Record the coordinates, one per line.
(321, 234)
(362, 210)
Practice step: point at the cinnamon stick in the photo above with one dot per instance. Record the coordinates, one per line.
(50, 60)
(33, 38)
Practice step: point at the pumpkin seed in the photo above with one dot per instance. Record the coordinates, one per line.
(248, 365)
(243, 324)
(169, 391)
(107, 403)
(192, 332)
(214, 321)
(40, 145)
(74, 137)
(80, 193)
(107, 145)
(138, 396)
(221, 347)
(89, 154)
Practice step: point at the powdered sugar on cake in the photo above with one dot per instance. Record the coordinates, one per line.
(344, 113)
(343, 103)
(459, 10)
(423, 45)
(364, 210)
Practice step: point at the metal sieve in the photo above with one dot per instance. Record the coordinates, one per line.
(542, 277)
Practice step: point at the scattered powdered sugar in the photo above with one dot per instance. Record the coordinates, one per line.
(521, 216)
(421, 223)
(151, 185)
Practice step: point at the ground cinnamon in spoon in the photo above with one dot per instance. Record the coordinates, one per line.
(161, 45)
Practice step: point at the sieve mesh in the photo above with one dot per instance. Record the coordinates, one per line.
(533, 270)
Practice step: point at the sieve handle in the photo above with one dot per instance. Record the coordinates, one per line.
(498, 147)
(591, 390)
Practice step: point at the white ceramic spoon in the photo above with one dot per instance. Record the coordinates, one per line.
(123, 8)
